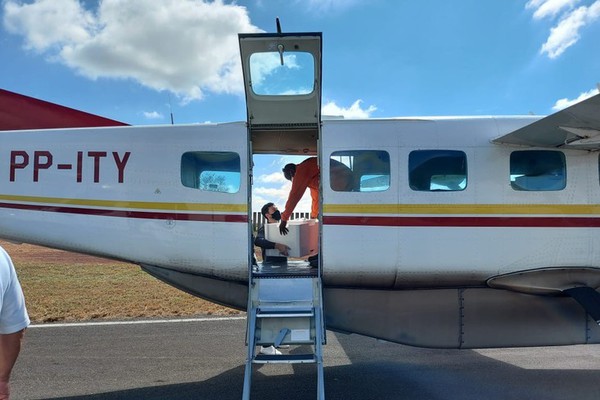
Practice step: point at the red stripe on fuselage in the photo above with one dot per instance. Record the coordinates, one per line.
(491, 222)
(419, 221)
(177, 216)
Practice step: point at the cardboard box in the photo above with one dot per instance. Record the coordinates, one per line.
(303, 238)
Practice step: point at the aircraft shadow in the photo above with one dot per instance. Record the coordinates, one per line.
(379, 370)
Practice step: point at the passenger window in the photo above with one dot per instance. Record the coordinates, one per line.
(537, 170)
(359, 171)
(437, 170)
(211, 171)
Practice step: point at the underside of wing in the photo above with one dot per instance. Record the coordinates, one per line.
(576, 127)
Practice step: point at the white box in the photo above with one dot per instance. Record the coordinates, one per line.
(302, 238)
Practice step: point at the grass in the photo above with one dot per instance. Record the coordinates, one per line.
(90, 291)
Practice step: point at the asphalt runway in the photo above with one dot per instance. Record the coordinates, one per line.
(205, 360)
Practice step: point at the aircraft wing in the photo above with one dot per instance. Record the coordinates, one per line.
(19, 112)
(576, 127)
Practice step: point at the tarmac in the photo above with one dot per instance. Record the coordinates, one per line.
(204, 359)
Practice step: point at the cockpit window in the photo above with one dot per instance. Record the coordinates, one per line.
(291, 73)
(437, 170)
(359, 171)
(211, 171)
(538, 170)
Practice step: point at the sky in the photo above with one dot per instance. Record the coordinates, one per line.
(137, 61)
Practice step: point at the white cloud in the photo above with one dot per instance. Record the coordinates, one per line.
(262, 195)
(549, 8)
(567, 31)
(352, 112)
(153, 115)
(185, 46)
(46, 23)
(564, 103)
(273, 193)
(275, 177)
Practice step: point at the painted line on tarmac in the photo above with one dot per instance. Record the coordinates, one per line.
(149, 321)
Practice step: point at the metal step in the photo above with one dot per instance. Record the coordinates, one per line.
(284, 291)
(284, 313)
(285, 359)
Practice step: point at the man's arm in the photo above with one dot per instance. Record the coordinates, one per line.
(10, 346)
(260, 240)
(299, 185)
(263, 243)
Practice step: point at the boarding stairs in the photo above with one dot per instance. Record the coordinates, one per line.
(285, 309)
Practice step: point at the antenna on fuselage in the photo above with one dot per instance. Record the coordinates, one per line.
(278, 25)
(171, 109)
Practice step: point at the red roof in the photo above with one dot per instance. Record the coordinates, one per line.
(23, 112)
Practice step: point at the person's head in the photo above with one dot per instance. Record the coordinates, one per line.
(270, 212)
(289, 171)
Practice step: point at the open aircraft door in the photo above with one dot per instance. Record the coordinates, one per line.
(282, 80)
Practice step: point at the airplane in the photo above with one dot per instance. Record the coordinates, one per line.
(456, 232)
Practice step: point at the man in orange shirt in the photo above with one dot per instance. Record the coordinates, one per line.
(303, 175)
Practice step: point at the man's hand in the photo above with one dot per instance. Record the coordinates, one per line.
(283, 249)
(282, 227)
(4, 390)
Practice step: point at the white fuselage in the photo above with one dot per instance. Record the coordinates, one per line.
(117, 192)
(400, 264)
(407, 238)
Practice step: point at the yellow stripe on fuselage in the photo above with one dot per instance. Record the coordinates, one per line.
(121, 204)
(463, 209)
(362, 209)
